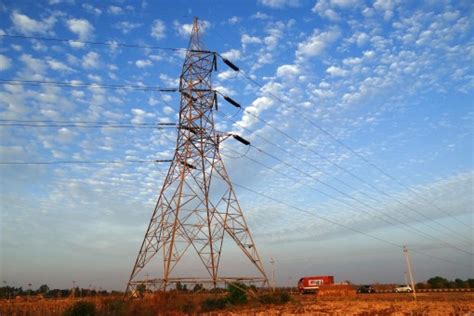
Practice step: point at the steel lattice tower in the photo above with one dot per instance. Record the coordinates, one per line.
(197, 205)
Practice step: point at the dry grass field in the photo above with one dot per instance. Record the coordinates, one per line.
(172, 304)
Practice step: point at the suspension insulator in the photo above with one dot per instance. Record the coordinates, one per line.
(231, 65)
(232, 102)
(191, 129)
(214, 62)
(187, 95)
(241, 139)
(188, 165)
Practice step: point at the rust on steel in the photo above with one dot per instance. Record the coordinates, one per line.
(197, 206)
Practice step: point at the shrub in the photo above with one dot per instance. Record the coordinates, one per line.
(211, 304)
(284, 297)
(81, 309)
(188, 307)
(115, 307)
(237, 293)
(274, 298)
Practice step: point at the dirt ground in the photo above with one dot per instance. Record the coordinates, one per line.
(435, 304)
(361, 305)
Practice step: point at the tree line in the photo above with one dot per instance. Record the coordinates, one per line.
(438, 282)
(44, 291)
(6, 292)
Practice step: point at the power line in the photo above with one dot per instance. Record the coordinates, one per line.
(255, 82)
(84, 85)
(341, 168)
(108, 43)
(84, 122)
(412, 229)
(340, 224)
(57, 162)
(80, 125)
(456, 234)
(351, 173)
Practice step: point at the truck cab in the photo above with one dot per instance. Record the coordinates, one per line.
(310, 284)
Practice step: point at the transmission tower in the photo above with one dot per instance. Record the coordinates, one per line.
(197, 206)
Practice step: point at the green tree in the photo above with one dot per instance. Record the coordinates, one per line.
(438, 282)
(197, 287)
(141, 288)
(43, 289)
(237, 293)
(181, 287)
(459, 283)
(470, 282)
(81, 309)
(420, 286)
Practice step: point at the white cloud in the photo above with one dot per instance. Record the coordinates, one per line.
(115, 10)
(95, 78)
(139, 115)
(228, 74)
(156, 57)
(65, 135)
(35, 65)
(336, 71)
(91, 60)
(152, 101)
(5, 62)
(168, 110)
(275, 34)
(233, 20)
(260, 16)
(58, 66)
(185, 30)
(345, 3)
(143, 63)
(385, 6)
(317, 42)
(247, 39)
(80, 27)
(359, 38)
(288, 70)
(233, 54)
(258, 106)
(158, 29)
(324, 9)
(279, 4)
(126, 27)
(26, 25)
(329, 8)
(92, 9)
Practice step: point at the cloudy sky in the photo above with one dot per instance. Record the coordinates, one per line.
(366, 145)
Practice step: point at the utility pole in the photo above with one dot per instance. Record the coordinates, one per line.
(29, 290)
(273, 273)
(410, 274)
(197, 206)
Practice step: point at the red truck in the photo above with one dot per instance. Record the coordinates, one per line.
(311, 283)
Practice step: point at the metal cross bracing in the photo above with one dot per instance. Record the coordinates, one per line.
(197, 206)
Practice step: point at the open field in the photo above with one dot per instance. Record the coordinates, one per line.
(173, 304)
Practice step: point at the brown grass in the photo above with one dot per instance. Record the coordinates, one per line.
(181, 304)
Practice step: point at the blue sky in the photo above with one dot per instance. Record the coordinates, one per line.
(393, 81)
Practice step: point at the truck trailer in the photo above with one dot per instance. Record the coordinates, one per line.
(310, 284)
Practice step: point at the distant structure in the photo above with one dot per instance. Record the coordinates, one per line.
(197, 205)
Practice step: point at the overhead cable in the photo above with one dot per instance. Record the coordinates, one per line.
(77, 84)
(57, 162)
(342, 225)
(341, 143)
(73, 41)
(454, 233)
